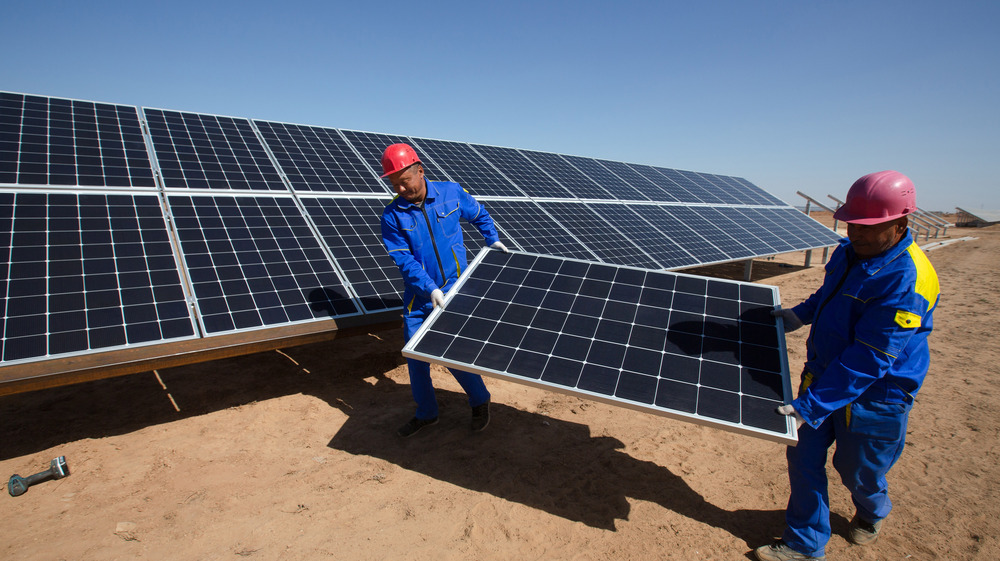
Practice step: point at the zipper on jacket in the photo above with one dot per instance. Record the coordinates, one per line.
(444, 278)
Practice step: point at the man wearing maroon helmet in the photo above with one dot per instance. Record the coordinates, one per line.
(422, 233)
(866, 358)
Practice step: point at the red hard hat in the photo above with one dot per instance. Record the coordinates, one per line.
(397, 157)
(878, 197)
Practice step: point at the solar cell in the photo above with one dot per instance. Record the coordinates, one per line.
(616, 186)
(530, 227)
(654, 240)
(766, 198)
(690, 241)
(812, 233)
(702, 350)
(276, 223)
(736, 192)
(693, 183)
(61, 142)
(568, 176)
(978, 216)
(464, 165)
(669, 190)
(319, 159)
(597, 234)
(86, 272)
(253, 261)
(649, 191)
(713, 233)
(522, 172)
(750, 239)
(197, 151)
(760, 227)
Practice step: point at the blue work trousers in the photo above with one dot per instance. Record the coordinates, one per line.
(420, 373)
(867, 446)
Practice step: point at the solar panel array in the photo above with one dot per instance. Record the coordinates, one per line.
(143, 226)
(977, 217)
(697, 349)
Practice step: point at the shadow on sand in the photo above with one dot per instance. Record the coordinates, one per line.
(524, 457)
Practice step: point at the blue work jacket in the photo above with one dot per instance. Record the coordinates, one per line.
(426, 242)
(870, 322)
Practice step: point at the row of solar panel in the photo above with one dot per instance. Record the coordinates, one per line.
(254, 261)
(654, 236)
(50, 141)
(95, 268)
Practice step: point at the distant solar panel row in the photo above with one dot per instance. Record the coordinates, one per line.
(654, 236)
(51, 141)
(276, 223)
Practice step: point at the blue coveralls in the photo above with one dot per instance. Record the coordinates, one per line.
(867, 356)
(426, 244)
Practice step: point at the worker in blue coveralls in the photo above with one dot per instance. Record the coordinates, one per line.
(866, 357)
(421, 231)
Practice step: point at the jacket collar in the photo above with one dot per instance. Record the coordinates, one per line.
(429, 196)
(873, 264)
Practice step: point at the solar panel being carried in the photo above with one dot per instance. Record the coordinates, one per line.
(702, 350)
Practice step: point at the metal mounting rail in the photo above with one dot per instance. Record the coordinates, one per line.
(30, 376)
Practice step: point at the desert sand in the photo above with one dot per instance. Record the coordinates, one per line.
(292, 455)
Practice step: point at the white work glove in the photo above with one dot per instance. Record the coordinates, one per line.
(437, 297)
(499, 245)
(792, 321)
(790, 411)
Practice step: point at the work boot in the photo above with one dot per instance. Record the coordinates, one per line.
(480, 416)
(413, 425)
(863, 532)
(779, 551)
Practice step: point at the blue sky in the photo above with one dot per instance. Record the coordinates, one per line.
(792, 95)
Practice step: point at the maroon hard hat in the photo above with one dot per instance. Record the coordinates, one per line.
(397, 157)
(878, 197)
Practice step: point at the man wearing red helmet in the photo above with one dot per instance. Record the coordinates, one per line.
(421, 231)
(866, 358)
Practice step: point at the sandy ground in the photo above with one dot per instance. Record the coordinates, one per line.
(292, 455)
